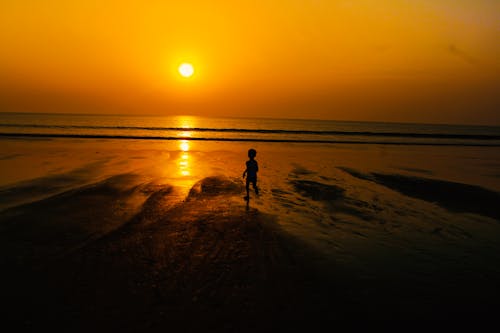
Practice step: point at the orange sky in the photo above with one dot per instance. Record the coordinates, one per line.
(384, 60)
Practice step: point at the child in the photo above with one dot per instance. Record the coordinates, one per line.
(251, 172)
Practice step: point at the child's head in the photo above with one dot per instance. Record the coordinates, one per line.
(252, 153)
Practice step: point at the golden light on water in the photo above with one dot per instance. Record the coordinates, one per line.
(185, 134)
(185, 124)
(184, 145)
(183, 162)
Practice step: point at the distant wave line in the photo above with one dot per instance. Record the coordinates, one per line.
(167, 138)
(270, 131)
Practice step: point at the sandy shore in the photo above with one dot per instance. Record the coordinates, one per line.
(169, 243)
(207, 264)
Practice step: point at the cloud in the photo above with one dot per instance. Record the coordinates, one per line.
(461, 54)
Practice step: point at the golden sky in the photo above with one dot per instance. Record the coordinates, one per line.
(379, 60)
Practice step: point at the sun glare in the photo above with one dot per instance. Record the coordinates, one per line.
(184, 145)
(186, 70)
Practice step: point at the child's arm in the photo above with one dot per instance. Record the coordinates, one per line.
(245, 172)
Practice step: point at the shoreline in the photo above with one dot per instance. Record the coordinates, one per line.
(104, 237)
(177, 138)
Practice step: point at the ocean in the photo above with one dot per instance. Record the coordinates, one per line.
(243, 130)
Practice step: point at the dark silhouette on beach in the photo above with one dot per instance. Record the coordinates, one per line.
(252, 167)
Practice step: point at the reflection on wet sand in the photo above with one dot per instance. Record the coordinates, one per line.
(184, 176)
(184, 165)
(184, 168)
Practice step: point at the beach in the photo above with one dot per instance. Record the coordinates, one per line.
(133, 235)
(249, 166)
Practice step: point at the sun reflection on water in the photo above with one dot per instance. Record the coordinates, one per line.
(185, 134)
(184, 168)
(184, 145)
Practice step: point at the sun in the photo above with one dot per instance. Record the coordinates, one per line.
(186, 69)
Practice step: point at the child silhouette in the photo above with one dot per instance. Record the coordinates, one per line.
(251, 172)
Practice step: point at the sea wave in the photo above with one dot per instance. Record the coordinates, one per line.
(245, 130)
(240, 139)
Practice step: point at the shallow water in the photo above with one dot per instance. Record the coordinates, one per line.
(313, 189)
(243, 129)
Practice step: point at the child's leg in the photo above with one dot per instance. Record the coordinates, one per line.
(248, 189)
(255, 187)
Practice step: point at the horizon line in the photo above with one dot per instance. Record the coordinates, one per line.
(240, 117)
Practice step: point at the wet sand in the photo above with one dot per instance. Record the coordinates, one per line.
(328, 242)
(206, 264)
